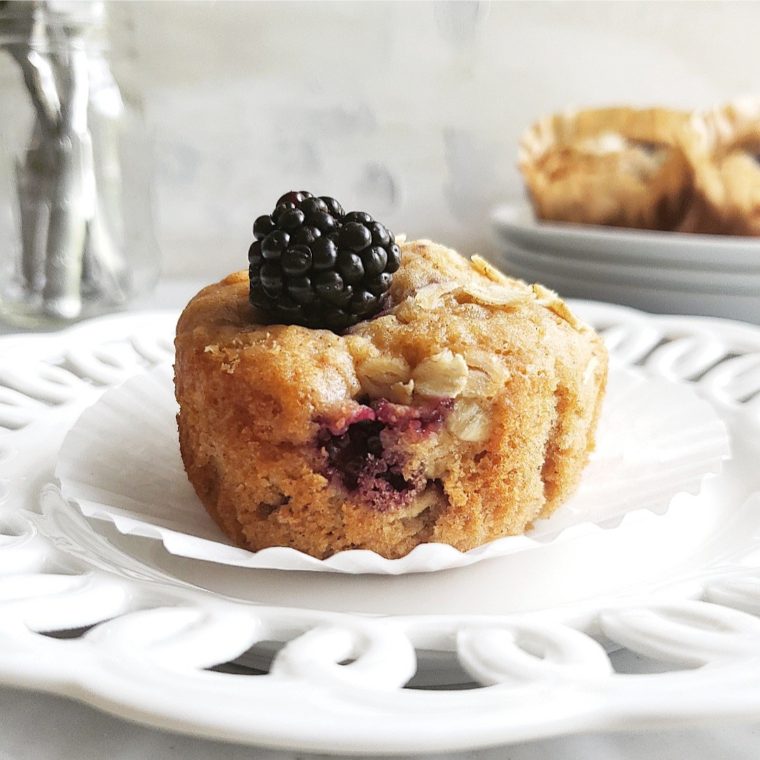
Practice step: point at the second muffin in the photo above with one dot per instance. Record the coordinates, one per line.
(613, 166)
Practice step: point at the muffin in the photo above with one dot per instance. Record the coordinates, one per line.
(722, 146)
(461, 411)
(613, 166)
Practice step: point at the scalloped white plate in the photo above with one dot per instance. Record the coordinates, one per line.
(682, 595)
(121, 462)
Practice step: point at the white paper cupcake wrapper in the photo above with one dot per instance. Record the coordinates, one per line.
(121, 462)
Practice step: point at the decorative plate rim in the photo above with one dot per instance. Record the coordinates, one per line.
(152, 647)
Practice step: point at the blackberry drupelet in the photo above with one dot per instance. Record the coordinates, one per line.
(315, 265)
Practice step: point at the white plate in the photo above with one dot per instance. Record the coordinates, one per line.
(680, 593)
(667, 273)
(121, 463)
(516, 224)
(657, 299)
(690, 279)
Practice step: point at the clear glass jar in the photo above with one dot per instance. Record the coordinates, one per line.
(76, 220)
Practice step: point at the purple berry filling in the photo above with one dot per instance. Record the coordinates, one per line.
(356, 446)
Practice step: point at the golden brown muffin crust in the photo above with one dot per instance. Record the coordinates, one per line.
(484, 393)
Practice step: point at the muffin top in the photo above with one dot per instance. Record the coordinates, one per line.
(452, 329)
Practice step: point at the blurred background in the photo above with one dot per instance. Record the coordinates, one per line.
(410, 110)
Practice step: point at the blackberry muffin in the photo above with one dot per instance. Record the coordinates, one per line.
(622, 167)
(723, 148)
(425, 398)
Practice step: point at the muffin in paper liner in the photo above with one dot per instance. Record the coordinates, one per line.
(458, 415)
(612, 166)
(722, 146)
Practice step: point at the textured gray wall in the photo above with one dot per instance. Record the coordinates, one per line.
(411, 111)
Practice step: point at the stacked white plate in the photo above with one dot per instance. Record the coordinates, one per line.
(663, 272)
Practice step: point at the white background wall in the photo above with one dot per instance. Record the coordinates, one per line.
(411, 111)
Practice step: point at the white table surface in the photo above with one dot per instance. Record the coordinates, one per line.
(43, 727)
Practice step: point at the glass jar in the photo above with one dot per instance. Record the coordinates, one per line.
(76, 221)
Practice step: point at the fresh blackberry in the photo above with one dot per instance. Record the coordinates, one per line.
(315, 265)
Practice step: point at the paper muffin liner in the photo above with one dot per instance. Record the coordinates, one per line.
(722, 146)
(612, 166)
(121, 462)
